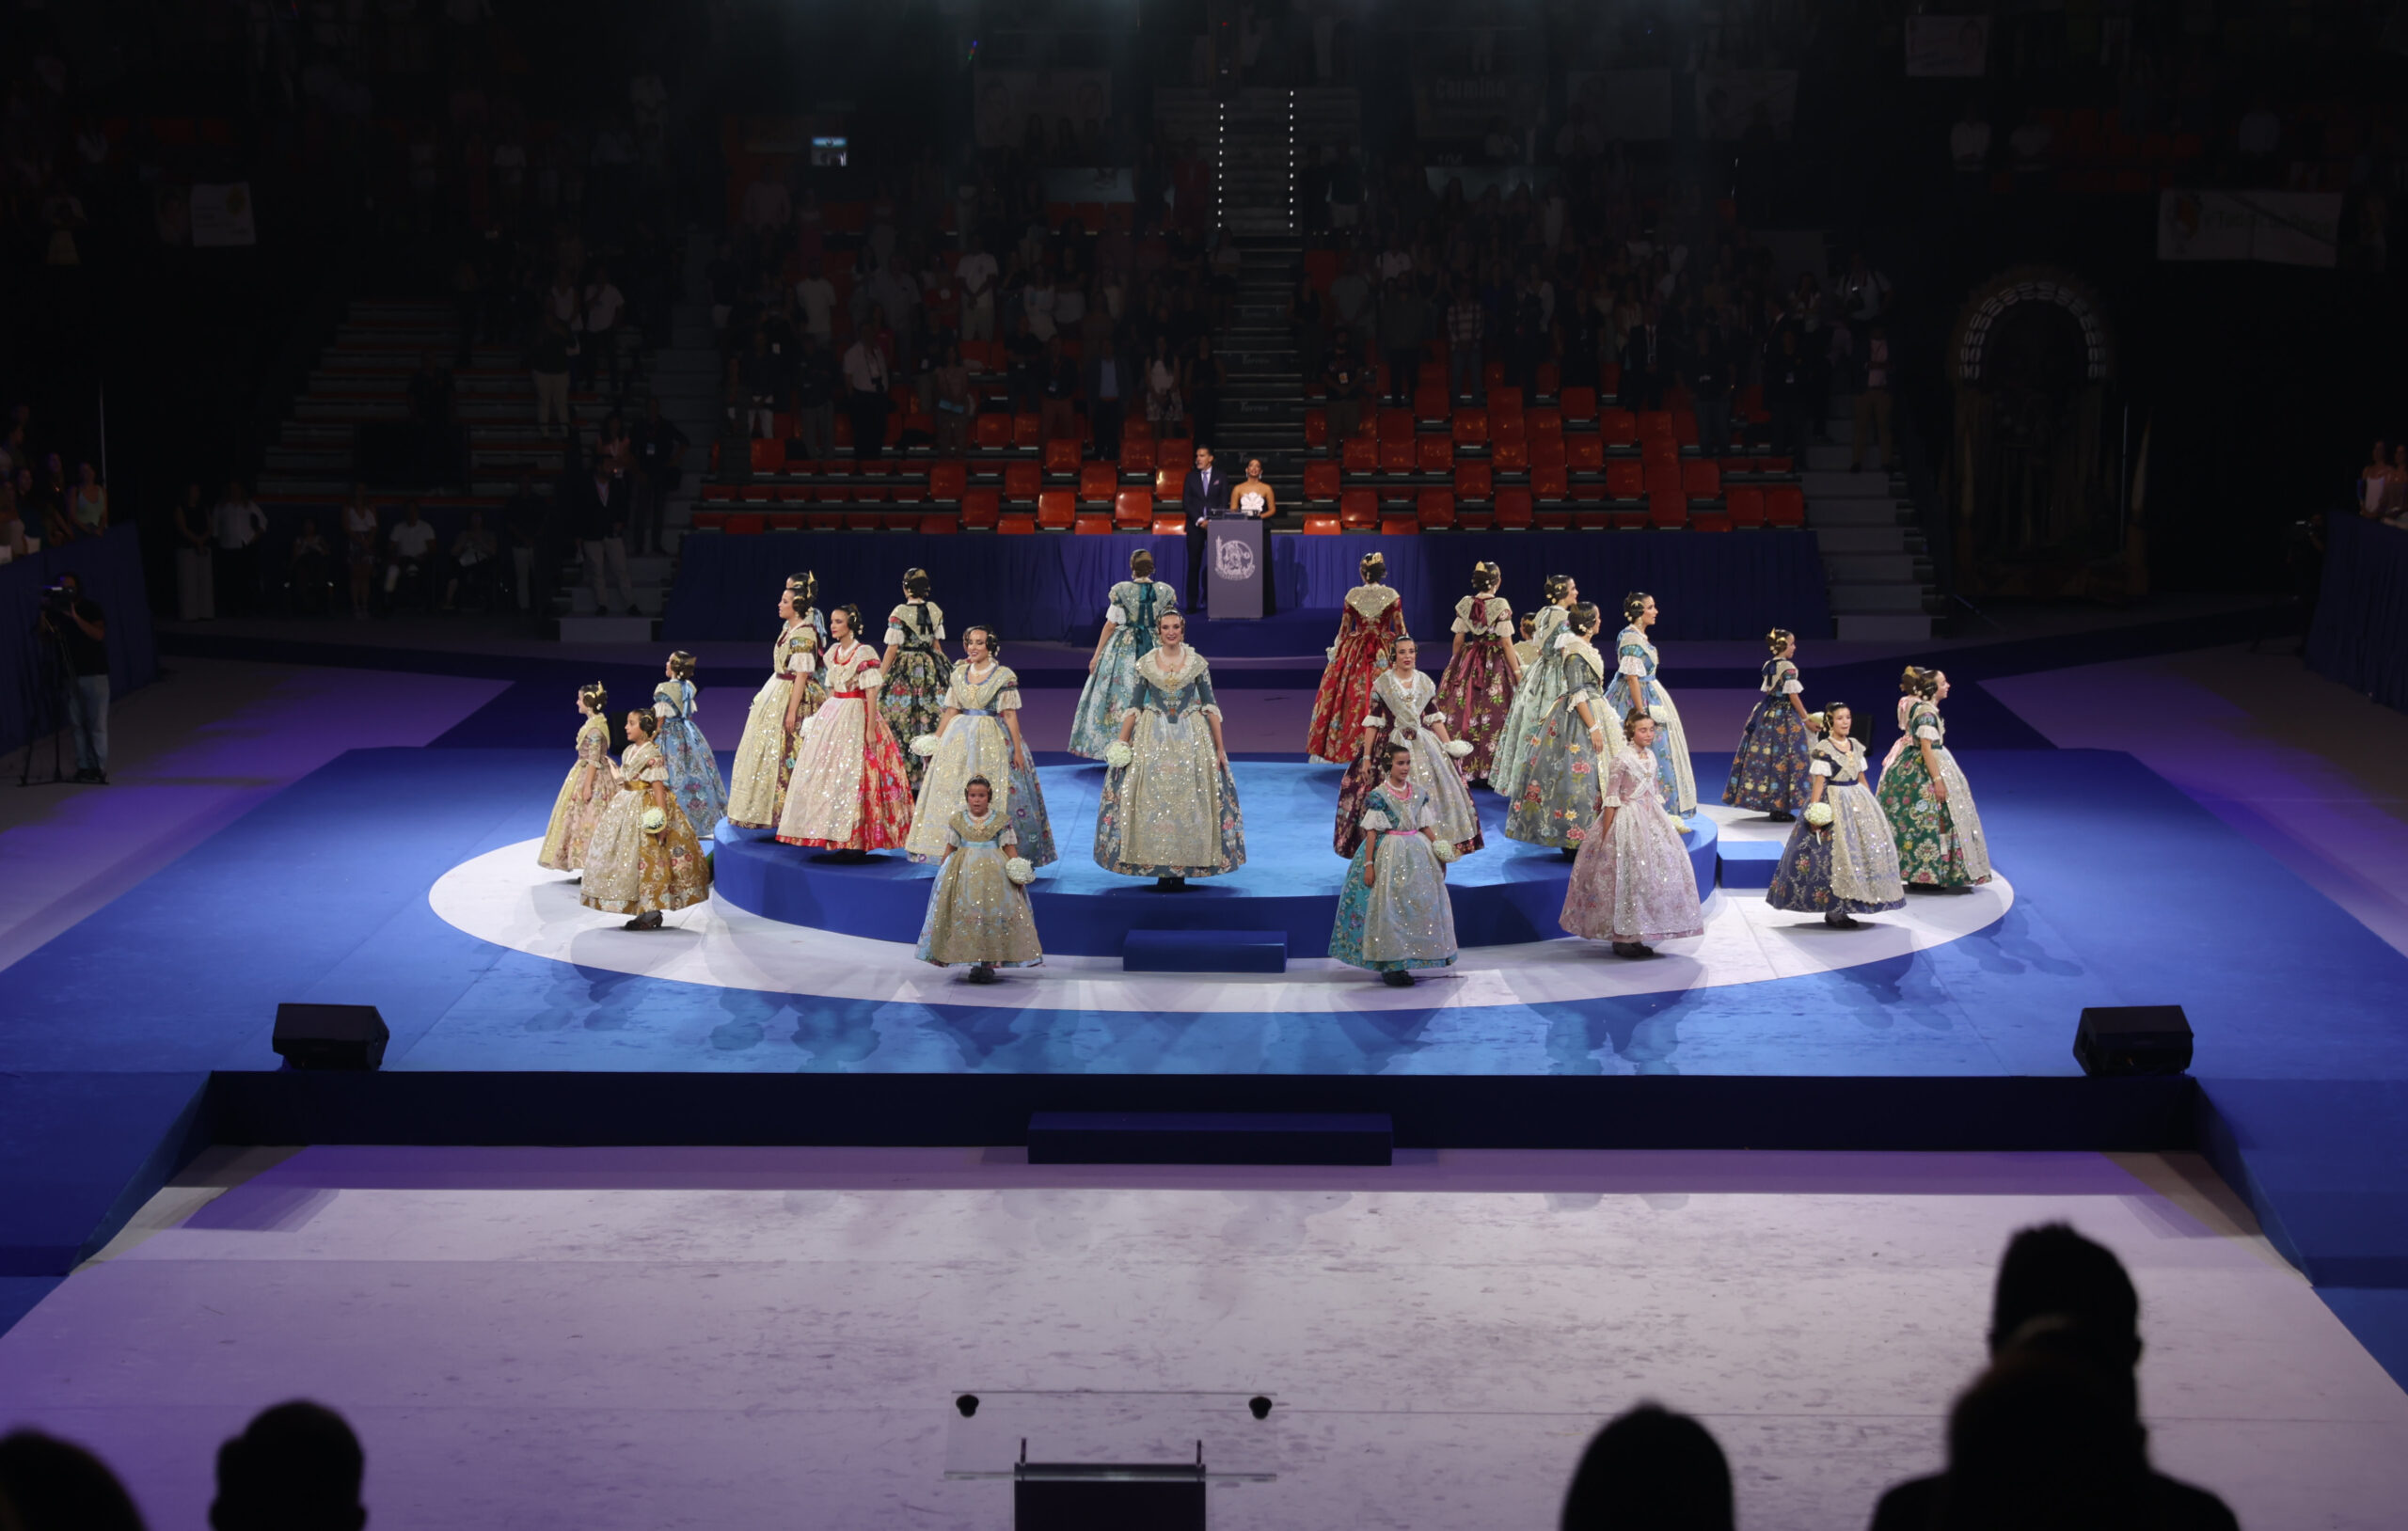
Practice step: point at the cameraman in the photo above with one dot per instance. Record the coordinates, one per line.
(80, 630)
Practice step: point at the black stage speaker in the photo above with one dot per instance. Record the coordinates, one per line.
(2133, 1039)
(330, 1035)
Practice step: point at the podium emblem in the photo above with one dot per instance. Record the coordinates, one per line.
(1233, 560)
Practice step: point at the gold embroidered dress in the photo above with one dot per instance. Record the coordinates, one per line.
(583, 796)
(1172, 812)
(977, 913)
(629, 870)
(757, 786)
(977, 743)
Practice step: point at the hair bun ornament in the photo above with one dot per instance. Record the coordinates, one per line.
(1818, 814)
(1458, 748)
(1117, 755)
(1020, 871)
(925, 745)
(655, 820)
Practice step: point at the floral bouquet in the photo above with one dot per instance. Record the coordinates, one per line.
(1818, 815)
(1458, 748)
(1117, 755)
(1019, 870)
(925, 745)
(1445, 850)
(655, 820)
(1660, 716)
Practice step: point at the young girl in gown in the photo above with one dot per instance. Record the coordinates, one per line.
(587, 791)
(1367, 629)
(1542, 684)
(1632, 882)
(1483, 674)
(1135, 606)
(757, 786)
(1924, 794)
(693, 770)
(1635, 687)
(913, 667)
(1768, 773)
(849, 793)
(978, 912)
(645, 858)
(1558, 787)
(1170, 805)
(978, 736)
(1393, 916)
(1841, 861)
(1403, 712)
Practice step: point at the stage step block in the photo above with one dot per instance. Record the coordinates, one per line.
(1130, 1137)
(1748, 863)
(1204, 951)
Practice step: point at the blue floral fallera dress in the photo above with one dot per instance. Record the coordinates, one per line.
(1403, 919)
(1635, 685)
(1172, 812)
(693, 770)
(1557, 801)
(1137, 605)
(1768, 773)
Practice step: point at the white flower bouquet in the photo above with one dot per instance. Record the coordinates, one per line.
(1658, 713)
(1445, 850)
(1458, 748)
(1019, 870)
(1818, 815)
(1117, 755)
(655, 820)
(925, 745)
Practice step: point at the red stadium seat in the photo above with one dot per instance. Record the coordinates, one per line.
(1320, 483)
(1061, 456)
(1664, 475)
(1359, 510)
(1668, 510)
(1504, 400)
(1492, 376)
(982, 510)
(1092, 524)
(1785, 506)
(1136, 454)
(1584, 454)
(1625, 479)
(1579, 404)
(1028, 429)
(1399, 524)
(1471, 427)
(1017, 524)
(1022, 481)
(1551, 482)
(1654, 426)
(1098, 482)
(1361, 454)
(1434, 453)
(1395, 425)
(1472, 480)
(1548, 380)
(1544, 423)
(1133, 509)
(1512, 510)
(1436, 509)
(1396, 456)
(1169, 524)
(1430, 404)
(1701, 478)
(1169, 483)
(946, 481)
(744, 523)
(1747, 506)
(994, 431)
(1548, 451)
(1510, 456)
(1710, 521)
(1317, 428)
(1618, 428)
(1321, 523)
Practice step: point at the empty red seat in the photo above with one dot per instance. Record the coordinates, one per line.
(1061, 456)
(1169, 481)
(1092, 524)
(1668, 510)
(1544, 423)
(1400, 524)
(1432, 374)
(1430, 404)
(708, 521)
(1017, 524)
(1022, 481)
(1709, 521)
(1609, 378)
(1361, 454)
(1133, 509)
(1663, 476)
(993, 432)
(768, 456)
(1098, 482)
(744, 523)
(1701, 478)
(1055, 508)
(1396, 456)
(1655, 425)
(1548, 451)
(1317, 428)
(1502, 428)
(1436, 509)
(1471, 427)
(1625, 479)
(1320, 483)
(1175, 452)
(1359, 510)
(1747, 508)
(936, 524)
(1510, 456)
(1492, 375)
(1684, 430)
(1550, 483)
(1585, 454)
(1579, 404)
(1434, 453)
(1169, 523)
(1395, 425)
(1618, 428)
(1514, 509)
(1785, 506)
(1136, 454)
(1028, 429)
(980, 510)
(1548, 379)
(1503, 400)
(1472, 480)
(946, 481)
(1321, 523)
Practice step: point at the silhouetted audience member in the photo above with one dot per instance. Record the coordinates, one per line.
(2061, 1301)
(1650, 1470)
(52, 1485)
(297, 1467)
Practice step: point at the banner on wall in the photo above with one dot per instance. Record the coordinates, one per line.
(1448, 105)
(2290, 229)
(1619, 105)
(1730, 100)
(1007, 99)
(1948, 47)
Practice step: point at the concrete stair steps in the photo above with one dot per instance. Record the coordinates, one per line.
(1876, 539)
(1874, 568)
(1841, 485)
(1885, 597)
(576, 630)
(1857, 512)
(1882, 626)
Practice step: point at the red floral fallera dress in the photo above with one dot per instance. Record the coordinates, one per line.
(1477, 690)
(848, 791)
(1372, 621)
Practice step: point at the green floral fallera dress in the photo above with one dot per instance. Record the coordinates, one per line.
(1558, 802)
(1517, 739)
(1940, 845)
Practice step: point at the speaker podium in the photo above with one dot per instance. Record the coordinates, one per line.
(1235, 567)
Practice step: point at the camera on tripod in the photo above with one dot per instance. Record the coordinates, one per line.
(57, 603)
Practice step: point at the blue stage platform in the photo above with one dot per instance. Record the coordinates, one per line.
(1509, 893)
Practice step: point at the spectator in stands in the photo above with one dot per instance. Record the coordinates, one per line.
(1166, 406)
(522, 523)
(599, 520)
(816, 295)
(657, 448)
(1351, 295)
(2373, 479)
(361, 535)
(12, 522)
(1646, 363)
(1206, 377)
(1057, 402)
(475, 558)
(725, 275)
(2065, 1342)
(1864, 291)
(1024, 369)
(296, 1467)
(410, 559)
(309, 572)
(977, 272)
(866, 379)
(602, 303)
(1346, 379)
(1650, 1470)
(548, 358)
(1786, 391)
(82, 641)
(764, 383)
(88, 503)
(49, 1485)
(1111, 380)
(1708, 366)
(236, 524)
(1403, 331)
(1467, 321)
(1873, 403)
(816, 382)
(42, 499)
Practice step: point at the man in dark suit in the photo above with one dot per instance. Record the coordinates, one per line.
(598, 518)
(1204, 497)
(1645, 361)
(1110, 383)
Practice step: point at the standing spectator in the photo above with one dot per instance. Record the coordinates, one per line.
(474, 554)
(237, 523)
(548, 358)
(195, 592)
(1709, 385)
(42, 500)
(1645, 360)
(816, 382)
(360, 536)
(1024, 369)
(816, 296)
(1351, 295)
(1057, 405)
(866, 401)
(88, 506)
(1402, 333)
(764, 383)
(1465, 322)
(83, 639)
(659, 453)
(309, 572)
(1786, 392)
(1873, 403)
(977, 273)
(12, 525)
(1110, 380)
(1165, 404)
(602, 303)
(1345, 378)
(1864, 291)
(599, 523)
(411, 546)
(522, 524)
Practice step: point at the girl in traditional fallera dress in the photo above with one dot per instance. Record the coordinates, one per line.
(1924, 794)
(645, 858)
(1768, 773)
(978, 911)
(1542, 684)
(978, 736)
(914, 667)
(587, 791)
(1841, 861)
(1557, 801)
(849, 793)
(1632, 882)
(693, 770)
(1136, 606)
(1483, 673)
(1635, 687)
(1404, 710)
(1170, 805)
(1367, 629)
(1393, 916)
(756, 787)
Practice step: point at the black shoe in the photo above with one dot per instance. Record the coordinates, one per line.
(982, 973)
(1841, 920)
(648, 920)
(1783, 818)
(1170, 885)
(1633, 949)
(1398, 978)
(1571, 853)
